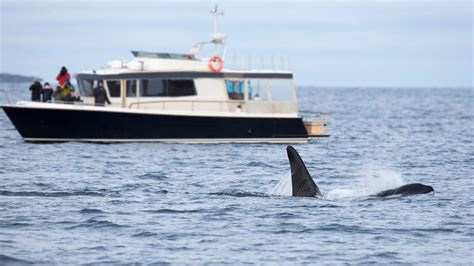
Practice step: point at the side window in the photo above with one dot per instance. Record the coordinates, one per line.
(131, 88)
(169, 87)
(177, 87)
(152, 88)
(281, 90)
(86, 87)
(257, 90)
(114, 88)
(235, 89)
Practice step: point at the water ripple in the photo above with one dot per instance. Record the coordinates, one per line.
(4, 259)
(239, 194)
(95, 223)
(51, 194)
(173, 211)
(87, 210)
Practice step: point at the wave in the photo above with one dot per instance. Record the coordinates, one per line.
(154, 176)
(94, 223)
(260, 164)
(145, 234)
(294, 231)
(346, 228)
(281, 215)
(50, 194)
(4, 259)
(393, 257)
(173, 211)
(86, 210)
(240, 194)
(5, 224)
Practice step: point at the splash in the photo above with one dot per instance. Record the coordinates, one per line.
(283, 187)
(340, 193)
(374, 179)
(371, 180)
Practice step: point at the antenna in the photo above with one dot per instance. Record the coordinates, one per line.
(216, 13)
(217, 38)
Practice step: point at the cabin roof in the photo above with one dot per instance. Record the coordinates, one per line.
(100, 75)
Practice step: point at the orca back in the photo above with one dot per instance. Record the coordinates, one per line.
(407, 190)
(301, 181)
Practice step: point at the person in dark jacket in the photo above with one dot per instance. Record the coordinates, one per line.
(71, 97)
(100, 95)
(46, 92)
(35, 89)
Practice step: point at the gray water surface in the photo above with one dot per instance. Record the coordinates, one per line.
(167, 203)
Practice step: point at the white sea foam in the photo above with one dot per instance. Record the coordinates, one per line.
(371, 180)
(375, 178)
(341, 193)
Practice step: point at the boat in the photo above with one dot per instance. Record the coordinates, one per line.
(174, 98)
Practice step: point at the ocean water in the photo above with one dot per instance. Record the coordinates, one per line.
(86, 203)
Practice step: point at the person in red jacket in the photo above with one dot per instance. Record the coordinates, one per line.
(63, 76)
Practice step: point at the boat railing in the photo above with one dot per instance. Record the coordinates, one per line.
(272, 107)
(314, 115)
(218, 105)
(79, 103)
(8, 96)
(256, 62)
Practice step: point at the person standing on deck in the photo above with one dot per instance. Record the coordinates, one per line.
(35, 89)
(100, 95)
(63, 76)
(46, 92)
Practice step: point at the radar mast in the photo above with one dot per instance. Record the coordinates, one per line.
(216, 38)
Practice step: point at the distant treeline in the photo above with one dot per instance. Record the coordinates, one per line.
(13, 78)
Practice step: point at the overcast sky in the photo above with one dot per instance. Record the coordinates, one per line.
(330, 43)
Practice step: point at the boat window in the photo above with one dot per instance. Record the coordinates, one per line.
(86, 87)
(152, 88)
(257, 90)
(281, 89)
(167, 87)
(180, 87)
(114, 88)
(235, 89)
(131, 88)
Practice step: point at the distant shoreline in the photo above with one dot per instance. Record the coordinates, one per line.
(15, 78)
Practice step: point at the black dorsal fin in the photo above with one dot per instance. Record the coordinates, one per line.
(301, 181)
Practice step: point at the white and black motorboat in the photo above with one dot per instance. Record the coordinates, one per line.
(182, 98)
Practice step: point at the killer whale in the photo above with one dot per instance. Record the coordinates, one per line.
(303, 185)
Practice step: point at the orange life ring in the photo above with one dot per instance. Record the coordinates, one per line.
(212, 63)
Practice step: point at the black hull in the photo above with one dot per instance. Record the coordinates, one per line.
(43, 124)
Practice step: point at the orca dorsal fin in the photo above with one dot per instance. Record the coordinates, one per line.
(301, 181)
